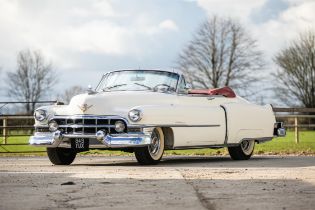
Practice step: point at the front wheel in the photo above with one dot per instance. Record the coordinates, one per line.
(153, 153)
(61, 156)
(242, 152)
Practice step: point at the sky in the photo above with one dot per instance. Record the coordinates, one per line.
(85, 39)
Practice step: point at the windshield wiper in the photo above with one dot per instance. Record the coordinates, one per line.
(149, 88)
(114, 86)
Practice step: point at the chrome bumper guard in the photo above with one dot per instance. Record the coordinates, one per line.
(121, 140)
(279, 130)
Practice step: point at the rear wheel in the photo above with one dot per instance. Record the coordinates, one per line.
(153, 153)
(61, 156)
(242, 152)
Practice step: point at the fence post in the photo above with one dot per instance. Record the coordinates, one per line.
(296, 128)
(5, 122)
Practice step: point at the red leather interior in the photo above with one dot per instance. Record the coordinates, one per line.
(225, 91)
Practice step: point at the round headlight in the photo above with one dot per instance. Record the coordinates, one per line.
(40, 115)
(119, 126)
(53, 126)
(135, 115)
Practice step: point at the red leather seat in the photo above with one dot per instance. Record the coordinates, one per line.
(225, 91)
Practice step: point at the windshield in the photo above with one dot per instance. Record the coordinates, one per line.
(137, 80)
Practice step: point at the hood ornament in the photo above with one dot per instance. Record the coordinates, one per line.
(84, 107)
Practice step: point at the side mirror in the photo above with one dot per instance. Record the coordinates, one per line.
(188, 86)
(90, 90)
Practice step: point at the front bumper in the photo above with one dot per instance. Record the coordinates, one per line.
(122, 140)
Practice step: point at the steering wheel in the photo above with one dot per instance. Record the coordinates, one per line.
(156, 87)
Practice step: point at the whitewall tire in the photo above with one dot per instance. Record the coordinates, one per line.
(153, 153)
(244, 151)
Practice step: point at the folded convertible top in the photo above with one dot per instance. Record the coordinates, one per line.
(225, 91)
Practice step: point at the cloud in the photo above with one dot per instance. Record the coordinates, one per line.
(80, 35)
(59, 32)
(74, 27)
(230, 8)
(276, 33)
(273, 22)
(168, 25)
(96, 9)
(300, 14)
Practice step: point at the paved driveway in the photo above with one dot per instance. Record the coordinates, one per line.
(264, 182)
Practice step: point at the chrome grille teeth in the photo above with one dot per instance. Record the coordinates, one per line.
(87, 125)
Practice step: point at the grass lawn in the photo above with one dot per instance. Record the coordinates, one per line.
(287, 145)
(284, 145)
(20, 149)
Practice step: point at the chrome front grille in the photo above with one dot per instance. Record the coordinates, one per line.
(87, 124)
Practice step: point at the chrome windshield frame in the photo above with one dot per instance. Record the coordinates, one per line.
(106, 74)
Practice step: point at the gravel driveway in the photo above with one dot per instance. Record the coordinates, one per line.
(264, 182)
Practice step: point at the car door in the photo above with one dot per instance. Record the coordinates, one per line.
(203, 117)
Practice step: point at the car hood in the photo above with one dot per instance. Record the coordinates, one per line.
(111, 103)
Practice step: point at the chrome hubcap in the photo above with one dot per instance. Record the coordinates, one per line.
(154, 148)
(247, 146)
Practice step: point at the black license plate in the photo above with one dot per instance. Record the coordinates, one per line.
(80, 144)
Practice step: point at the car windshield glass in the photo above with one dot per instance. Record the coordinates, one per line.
(139, 80)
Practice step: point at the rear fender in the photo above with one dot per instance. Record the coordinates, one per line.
(248, 121)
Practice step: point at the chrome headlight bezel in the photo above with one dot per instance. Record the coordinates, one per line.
(40, 115)
(135, 115)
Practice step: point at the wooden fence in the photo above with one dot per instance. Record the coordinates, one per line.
(5, 118)
(5, 127)
(296, 118)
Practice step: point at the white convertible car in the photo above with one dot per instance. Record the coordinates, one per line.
(149, 111)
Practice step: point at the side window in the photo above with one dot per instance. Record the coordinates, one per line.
(182, 86)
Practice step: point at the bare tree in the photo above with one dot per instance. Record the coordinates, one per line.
(221, 53)
(1, 86)
(296, 75)
(32, 79)
(69, 93)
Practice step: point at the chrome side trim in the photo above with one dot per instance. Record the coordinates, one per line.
(259, 140)
(170, 125)
(226, 125)
(214, 146)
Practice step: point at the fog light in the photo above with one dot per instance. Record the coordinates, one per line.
(100, 135)
(57, 136)
(53, 126)
(119, 126)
